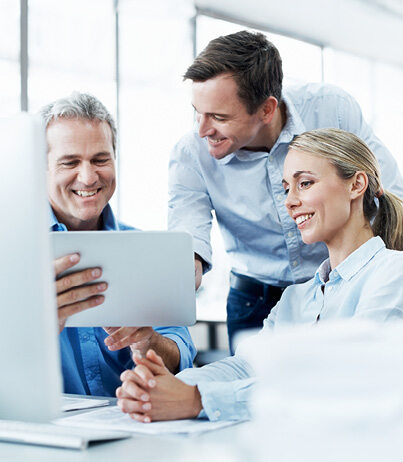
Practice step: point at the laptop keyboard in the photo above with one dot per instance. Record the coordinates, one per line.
(53, 435)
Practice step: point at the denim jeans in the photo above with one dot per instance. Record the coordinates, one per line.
(246, 311)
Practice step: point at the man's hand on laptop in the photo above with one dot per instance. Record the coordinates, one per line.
(72, 295)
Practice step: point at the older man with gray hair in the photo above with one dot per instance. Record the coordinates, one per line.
(81, 137)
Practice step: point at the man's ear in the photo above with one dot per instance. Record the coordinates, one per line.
(268, 109)
(359, 184)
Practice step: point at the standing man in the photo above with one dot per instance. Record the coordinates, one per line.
(232, 163)
(81, 137)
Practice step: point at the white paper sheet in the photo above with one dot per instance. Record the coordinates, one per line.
(112, 418)
(74, 404)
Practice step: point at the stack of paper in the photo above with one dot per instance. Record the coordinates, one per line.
(112, 418)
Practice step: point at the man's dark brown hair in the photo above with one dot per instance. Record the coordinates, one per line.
(250, 59)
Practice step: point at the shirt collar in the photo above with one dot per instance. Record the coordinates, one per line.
(352, 264)
(109, 222)
(293, 126)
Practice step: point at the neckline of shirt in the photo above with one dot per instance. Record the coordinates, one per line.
(352, 264)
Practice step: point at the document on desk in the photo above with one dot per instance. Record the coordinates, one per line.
(112, 418)
(75, 404)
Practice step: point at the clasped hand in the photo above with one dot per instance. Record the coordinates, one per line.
(150, 392)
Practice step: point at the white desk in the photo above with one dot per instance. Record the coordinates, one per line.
(213, 446)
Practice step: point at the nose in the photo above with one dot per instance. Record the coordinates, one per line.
(87, 174)
(205, 127)
(292, 200)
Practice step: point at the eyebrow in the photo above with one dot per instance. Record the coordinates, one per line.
(74, 156)
(297, 174)
(212, 113)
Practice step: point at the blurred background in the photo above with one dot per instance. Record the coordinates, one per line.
(132, 54)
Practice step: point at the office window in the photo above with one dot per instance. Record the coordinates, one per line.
(155, 108)
(9, 57)
(71, 47)
(377, 88)
(342, 69)
(388, 108)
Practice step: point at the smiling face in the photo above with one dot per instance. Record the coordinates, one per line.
(81, 171)
(318, 200)
(223, 118)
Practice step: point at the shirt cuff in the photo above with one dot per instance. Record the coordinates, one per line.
(224, 400)
(187, 350)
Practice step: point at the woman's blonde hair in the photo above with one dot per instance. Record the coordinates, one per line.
(349, 154)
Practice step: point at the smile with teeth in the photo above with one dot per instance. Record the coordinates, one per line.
(302, 218)
(86, 193)
(213, 141)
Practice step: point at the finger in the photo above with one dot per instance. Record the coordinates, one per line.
(152, 356)
(133, 390)
(120, 334)
(131, 405)
(147, 376)
(156, 369)
(64, 263)
(66, 311)
(131, 375)
(77, 279)
(138, 338)
(111, 330)
(140, 417)
(80, 293)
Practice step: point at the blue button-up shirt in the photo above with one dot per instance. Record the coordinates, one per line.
(366, 285)
(246, 192)
(89, 368)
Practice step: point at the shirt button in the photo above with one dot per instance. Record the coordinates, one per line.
(290, 234)
(294, 263)
(270, 159)
(280, 197)
(217, 413)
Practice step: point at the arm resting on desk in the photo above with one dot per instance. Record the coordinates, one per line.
(221, 389)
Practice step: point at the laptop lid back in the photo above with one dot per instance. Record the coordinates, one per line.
(30, 384)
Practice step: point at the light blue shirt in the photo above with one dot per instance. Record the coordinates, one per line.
(367, 284)
(89, 367)
(245, 190)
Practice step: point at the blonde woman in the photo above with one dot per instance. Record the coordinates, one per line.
(334, 193)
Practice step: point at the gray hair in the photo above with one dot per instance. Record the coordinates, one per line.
(79, 106)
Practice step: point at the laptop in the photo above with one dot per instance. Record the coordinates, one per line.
(30, 385)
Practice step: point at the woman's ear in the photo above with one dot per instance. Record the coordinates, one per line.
(359, 184)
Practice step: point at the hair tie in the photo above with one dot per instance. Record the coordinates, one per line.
(380, 192)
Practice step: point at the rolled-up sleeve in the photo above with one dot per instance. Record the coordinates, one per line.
(181, 336)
